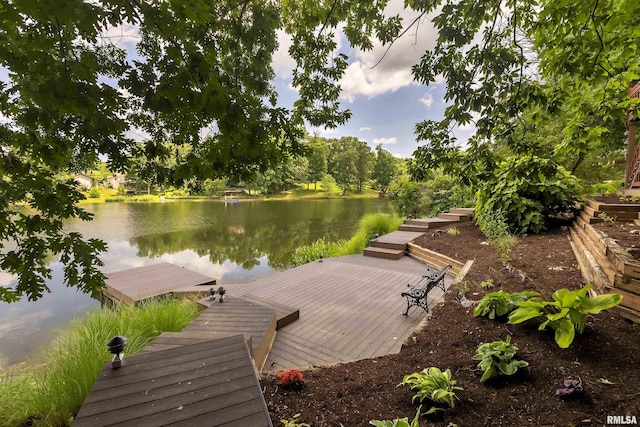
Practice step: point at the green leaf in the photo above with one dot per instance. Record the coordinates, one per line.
(524, 313)
(565, 333)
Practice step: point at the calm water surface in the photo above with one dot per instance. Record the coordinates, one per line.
(234, 243)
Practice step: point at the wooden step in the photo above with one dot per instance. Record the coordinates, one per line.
(388, 245)
(168, 340)
(619, 207)
(416, 228)
(467, 211)
(455, 216)
(589, 219)
(285, 314)
(622, 215)
(239, 316)
(589, 267)
(291, 351)
(428, 222)
(384, 253)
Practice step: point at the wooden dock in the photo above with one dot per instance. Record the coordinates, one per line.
(138, 284)
(350, 309)
(322, 313)
(212, 383)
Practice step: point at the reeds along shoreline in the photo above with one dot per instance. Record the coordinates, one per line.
(50, 394)
(369, 226)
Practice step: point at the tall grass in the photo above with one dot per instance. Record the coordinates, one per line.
(369, 226)
(51, 394)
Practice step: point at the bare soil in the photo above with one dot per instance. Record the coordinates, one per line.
(605, 358)
(625, 234)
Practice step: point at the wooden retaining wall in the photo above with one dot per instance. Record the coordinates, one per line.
(458, 269)
(607, 266)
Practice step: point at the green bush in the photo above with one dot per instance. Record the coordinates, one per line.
(51, 394)
(312, 252)
(528, 191)
(407, 200)
(115, 199)
(94, 193)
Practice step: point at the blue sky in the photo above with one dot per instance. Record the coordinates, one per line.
(385, 101)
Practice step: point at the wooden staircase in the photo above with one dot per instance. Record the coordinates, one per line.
(603, 262)
(255, 318)
(593, 211)
(442, 220)
(394, 245)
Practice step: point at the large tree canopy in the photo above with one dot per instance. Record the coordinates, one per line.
(201, 76)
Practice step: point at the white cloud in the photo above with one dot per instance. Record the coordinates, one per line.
(385, 141)
(472, 124)
(426, 100)
(126, 36)
(379, 71)
(323, 131)
(283, 64)
(365, 129)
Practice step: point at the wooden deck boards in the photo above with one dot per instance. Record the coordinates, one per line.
(137, 284)
(213, 381)
(349, 305)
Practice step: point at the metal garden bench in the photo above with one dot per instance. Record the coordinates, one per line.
(417, 294)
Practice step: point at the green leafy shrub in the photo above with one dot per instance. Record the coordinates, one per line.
(566, 314)
(500, 303)
(312, 252)
(434, 385)
(407, 200)
(115, 199)
(94, 193)
(493, 224)
(528, 190)
(496, 358)
(398, 422)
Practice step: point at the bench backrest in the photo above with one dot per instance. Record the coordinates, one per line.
(432, 280)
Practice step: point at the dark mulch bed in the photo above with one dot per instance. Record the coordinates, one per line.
(625, 234)
(352, 394)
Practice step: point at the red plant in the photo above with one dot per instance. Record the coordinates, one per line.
(292, 378)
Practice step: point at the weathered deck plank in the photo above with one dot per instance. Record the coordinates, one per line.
(213, 381)
(349, 305)
(137, 284)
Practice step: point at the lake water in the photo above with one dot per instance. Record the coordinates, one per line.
(234, 243)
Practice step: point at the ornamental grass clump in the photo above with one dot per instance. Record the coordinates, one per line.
(51, 394)
(434, 385)
(497, 358)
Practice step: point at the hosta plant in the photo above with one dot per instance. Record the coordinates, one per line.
(434, 385)
(500, 303)
(566, 314)
(398, 422)
(497, 358)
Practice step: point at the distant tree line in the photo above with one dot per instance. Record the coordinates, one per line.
(346, 162)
